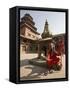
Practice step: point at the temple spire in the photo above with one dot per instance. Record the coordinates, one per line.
(46, 27)
(46, 22)
(46, 32)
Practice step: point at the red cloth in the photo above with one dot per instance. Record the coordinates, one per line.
(52, 59)
(60, 48)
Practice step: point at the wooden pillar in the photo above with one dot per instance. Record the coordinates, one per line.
(39, 50)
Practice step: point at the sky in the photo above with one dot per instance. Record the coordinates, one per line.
(56, 20)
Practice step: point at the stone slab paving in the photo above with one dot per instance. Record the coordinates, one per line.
(32, 72)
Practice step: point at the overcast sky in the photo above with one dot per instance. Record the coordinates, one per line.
(56, 20)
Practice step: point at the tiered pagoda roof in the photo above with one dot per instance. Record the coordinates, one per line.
(27, 20)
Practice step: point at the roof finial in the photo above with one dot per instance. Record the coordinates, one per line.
(46, 22)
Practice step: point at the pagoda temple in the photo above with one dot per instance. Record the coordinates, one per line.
(28, 34)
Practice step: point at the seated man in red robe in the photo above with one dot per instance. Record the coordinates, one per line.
(52, 60)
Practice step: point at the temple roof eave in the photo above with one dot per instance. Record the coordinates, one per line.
(40, 40)
(22, 36)
(32, 28)
(58, 35)
(46, 39)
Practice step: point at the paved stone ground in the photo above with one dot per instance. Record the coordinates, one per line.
(32, 72)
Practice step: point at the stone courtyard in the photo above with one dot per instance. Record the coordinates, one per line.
(33, 72)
